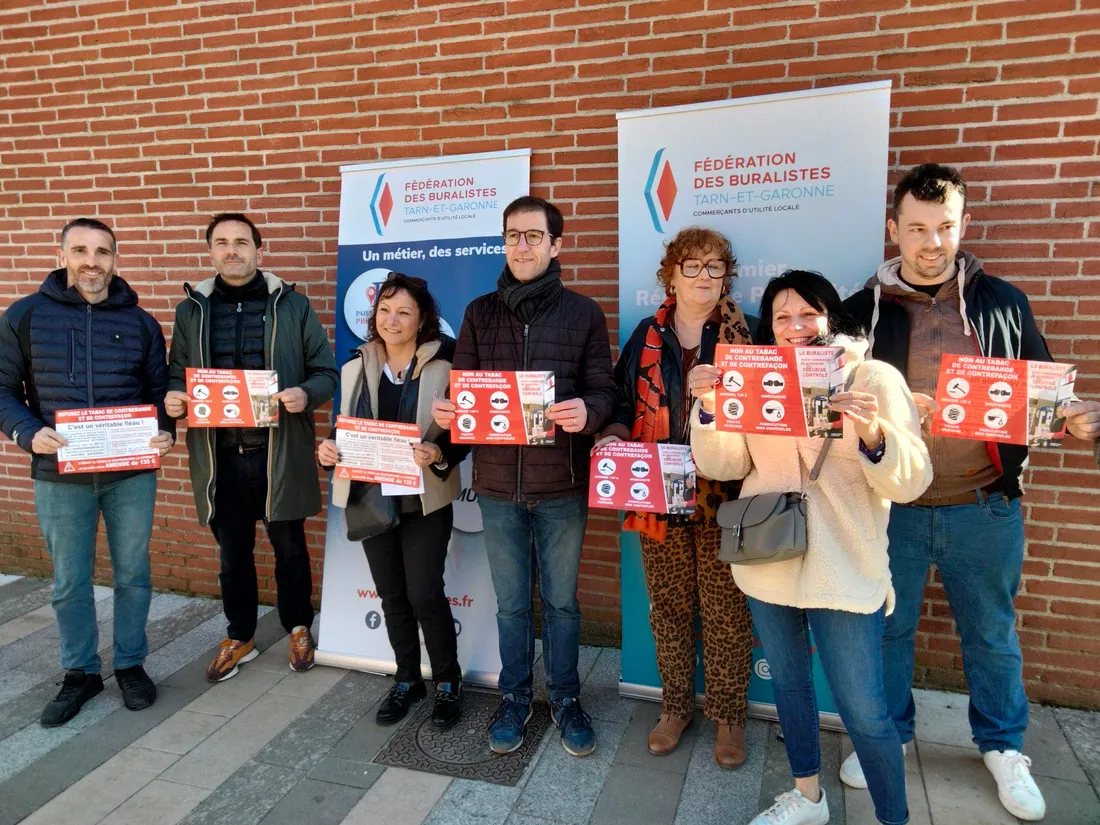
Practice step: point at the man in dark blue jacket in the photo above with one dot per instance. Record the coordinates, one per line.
(80, 342)
(934, 299)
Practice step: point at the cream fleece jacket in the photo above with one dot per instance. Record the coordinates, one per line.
(845, 566)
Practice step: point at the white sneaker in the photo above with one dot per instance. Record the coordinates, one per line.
(851, 772)
(1015, 787)
(792, 808)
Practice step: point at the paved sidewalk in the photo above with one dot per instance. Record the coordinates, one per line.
(279, 748)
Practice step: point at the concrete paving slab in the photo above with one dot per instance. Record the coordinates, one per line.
(164, 803)
(634, 748)
(104, 789)
(349, 772)
(633, 794)
(245, 797)
(8, 579)
(1082, 730)
(1050, 750)
(181, 732)
(22, 596)
(942, 718)
(584, 778)
(311, 685)
(230, 697)
(960, 789)
(315, 802)
(399, 797)
(712, 794)
(777, 773)
(600, 692)
(213, 761)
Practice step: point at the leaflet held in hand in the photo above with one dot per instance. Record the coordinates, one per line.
(232, 398)
(647, 478)
(378, 451)
(502, 407)
(106, 439)
(1003, 400)
(779, 390)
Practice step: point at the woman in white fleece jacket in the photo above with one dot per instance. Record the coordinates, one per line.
(841, 587)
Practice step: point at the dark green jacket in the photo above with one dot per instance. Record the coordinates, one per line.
(297, 347)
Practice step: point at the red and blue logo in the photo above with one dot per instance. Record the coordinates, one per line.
(660, 191)
(381, 204)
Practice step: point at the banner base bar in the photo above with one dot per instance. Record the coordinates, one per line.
(757, 710)
(384, 667)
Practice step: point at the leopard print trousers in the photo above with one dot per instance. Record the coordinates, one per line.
(683, 574)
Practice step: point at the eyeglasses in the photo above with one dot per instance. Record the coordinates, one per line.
(532, 236)
(693, 267)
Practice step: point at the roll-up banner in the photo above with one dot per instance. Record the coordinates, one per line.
(796, 181)
(438, 219)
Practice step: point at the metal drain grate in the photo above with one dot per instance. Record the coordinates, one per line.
(463, 751)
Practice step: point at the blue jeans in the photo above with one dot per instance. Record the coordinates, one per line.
(849, 646)
(520, 535)
(979, 550)
(69, 517)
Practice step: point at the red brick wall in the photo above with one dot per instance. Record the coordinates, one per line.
(153, 114)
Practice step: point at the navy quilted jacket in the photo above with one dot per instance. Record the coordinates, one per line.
(58, 352)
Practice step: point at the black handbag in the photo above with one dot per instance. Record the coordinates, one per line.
(369, 513)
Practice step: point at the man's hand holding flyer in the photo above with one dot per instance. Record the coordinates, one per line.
(107, 439)
(232, 398)
(999, 399)
(379, 451)
(779, 390)
(502, 407)
(648, 478)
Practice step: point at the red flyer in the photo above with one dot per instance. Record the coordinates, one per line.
(232, 398)
(377, 451)
(648, 478)
(502, 407)
(107, 438)
(1000, 399)
(779, 390)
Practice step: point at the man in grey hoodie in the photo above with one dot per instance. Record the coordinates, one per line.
(931, 300)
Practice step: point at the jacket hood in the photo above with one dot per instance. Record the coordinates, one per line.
(888, 281)
(119, 293)
(206, 288)
(375, 353)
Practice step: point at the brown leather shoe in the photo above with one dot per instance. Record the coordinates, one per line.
(664, 738)
(729, 749)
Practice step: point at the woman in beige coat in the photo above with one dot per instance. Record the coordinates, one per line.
(841, 587)
(394, 376)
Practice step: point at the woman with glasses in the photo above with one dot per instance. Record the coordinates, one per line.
(840, 589)
(680, 553)
(394, 376)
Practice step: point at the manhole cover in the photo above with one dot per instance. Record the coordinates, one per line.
(463, 751)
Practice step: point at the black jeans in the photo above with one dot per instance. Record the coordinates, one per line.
(407, 565)
(240, 500)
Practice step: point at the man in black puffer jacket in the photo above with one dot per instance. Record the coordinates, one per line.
(538, 495)
(247, 319)
(82, 342)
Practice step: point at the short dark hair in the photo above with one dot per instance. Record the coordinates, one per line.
(555, 223)
(931, 183)
(223, 217)
(89, 223)
(417, 288)
(815, 290)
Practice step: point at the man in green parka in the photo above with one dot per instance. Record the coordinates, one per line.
(244, 318)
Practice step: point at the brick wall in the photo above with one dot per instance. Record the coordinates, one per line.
(153, 114)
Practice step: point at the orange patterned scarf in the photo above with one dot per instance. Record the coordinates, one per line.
(651, 416)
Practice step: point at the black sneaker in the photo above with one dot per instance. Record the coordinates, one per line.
(447, 705)
(138, 690)
(76, 689)
(401, 697)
